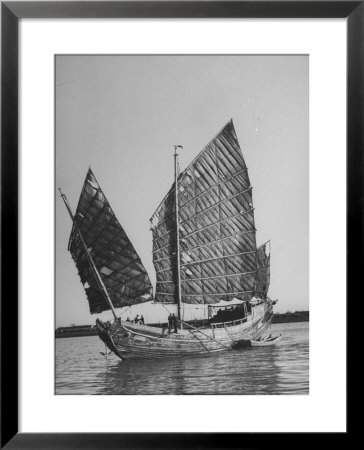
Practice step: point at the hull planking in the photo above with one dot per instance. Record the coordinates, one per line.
(128, 340)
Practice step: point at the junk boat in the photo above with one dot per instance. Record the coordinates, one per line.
(204, 253)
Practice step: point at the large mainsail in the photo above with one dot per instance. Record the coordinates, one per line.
(117, 262)
(216, 228)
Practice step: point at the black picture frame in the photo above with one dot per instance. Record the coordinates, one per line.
(11, 13)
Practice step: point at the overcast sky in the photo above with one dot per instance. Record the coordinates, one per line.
(121, 115)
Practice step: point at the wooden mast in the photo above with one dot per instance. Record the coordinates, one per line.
(91, 261)
(179, 300)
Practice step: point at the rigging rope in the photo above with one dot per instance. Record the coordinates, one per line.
(229, 333)
(213, 339)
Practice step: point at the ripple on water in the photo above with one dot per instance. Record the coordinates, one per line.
(282, 369)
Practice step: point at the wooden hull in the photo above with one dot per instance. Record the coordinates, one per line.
(128, 340)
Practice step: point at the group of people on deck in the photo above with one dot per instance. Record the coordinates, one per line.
(137, 319)
(172, 322)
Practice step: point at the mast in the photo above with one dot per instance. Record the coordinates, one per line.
(92, 264)
(179, 301)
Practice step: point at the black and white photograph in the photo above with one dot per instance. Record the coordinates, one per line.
(181, 224)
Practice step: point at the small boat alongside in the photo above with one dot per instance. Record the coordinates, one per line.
(266, 341)
(260, 342)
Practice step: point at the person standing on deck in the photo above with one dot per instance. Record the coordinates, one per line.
(174, 319)
(170, 322)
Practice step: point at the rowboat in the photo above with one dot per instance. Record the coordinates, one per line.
(266, 341)
(261, 342)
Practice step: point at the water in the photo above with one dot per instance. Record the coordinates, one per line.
(280, 369)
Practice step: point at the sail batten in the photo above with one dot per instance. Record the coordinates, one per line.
(219, 222)
(204, 192)
(222, 294)
(219, 257)
(215, 276)
(206, 227)
(216, 228)
(220, 202)
(115, 258)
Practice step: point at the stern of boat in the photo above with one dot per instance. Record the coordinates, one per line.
(266, 320)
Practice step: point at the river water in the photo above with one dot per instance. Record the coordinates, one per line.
(279, 369)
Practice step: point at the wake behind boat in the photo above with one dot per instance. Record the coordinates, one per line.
(204, 254)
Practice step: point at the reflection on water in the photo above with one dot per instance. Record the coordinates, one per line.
(280, 369)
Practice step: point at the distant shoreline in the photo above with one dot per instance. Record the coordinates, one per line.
(298, 316)
(90, 330)
(76, 331)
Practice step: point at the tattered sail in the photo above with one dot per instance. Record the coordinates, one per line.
(263, 271)
(117, 261)
(216, 227)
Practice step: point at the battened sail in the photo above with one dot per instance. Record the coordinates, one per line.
(263, 271)
(216, 227)
(118, 263)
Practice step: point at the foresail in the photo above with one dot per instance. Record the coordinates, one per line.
(119, 265)
(216, 223)
(263, 271)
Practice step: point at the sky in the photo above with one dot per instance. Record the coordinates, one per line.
(122, 114)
